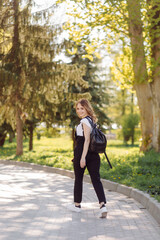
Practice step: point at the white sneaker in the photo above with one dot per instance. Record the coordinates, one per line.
(73, 208)
(103, 212)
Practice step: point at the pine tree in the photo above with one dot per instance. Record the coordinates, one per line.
(30, 80)
(96, 91)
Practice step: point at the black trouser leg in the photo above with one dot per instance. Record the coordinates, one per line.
(78, 183)
(93, 166)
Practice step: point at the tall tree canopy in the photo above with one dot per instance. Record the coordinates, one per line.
(31, 81)
(96, 85)
(137, 23)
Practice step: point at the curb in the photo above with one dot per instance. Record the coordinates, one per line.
(152, 205)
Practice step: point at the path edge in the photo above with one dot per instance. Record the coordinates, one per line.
(152, 205)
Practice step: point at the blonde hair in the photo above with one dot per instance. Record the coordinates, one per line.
(87, 105)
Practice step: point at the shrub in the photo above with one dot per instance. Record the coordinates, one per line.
(129, 122)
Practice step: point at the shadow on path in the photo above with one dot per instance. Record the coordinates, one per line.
(33, 206)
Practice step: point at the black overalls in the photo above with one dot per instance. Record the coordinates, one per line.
(93, 166)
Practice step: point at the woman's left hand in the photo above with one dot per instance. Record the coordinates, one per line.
(83, 162)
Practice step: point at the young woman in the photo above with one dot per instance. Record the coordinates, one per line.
(84, 158)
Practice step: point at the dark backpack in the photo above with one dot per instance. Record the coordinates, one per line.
(98, 140)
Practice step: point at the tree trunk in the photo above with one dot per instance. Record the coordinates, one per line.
(132, 137)
(15, 53)
(11, 136)
(156, 116)
(123, 109)
(154, 30)
(155, 87)
(141, 84)
(132, 102)
(146, 114)
(19, 131)
(2, 139)
(30, 137)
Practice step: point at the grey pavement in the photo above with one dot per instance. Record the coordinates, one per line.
(33, 207)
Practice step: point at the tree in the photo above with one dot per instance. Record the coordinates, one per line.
(32, 81)
(153, 11)
(96, 86)
(29, 127)
(138, 23)
(122, 79)
(141, 84)
(96, 82)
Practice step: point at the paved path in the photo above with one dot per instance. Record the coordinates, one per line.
(33, 207)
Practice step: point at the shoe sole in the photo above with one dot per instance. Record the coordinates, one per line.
(103, 215)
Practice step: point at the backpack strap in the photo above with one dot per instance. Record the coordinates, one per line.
(107, 159)
(90, 121)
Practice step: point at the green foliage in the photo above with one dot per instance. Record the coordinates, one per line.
(51, 132)
(129, 122)
(32, 80)
(48, 151)
(122, 68)
(137, 134)
(110, 18)
(133, 169)
(130, 167)
(98, 94)
(134, 25)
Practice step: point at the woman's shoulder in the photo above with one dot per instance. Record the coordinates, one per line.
(86, 121)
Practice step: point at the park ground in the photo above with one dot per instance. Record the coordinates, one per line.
(130, 166)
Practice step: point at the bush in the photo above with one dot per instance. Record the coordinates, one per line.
(137, 134)
(129, 122)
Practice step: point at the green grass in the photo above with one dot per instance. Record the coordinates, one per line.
(130, 167)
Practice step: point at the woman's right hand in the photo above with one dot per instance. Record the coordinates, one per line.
(83, 162)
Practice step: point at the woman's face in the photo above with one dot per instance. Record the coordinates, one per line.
(81, 111)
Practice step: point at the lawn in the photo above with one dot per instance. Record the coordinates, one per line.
(130, 167)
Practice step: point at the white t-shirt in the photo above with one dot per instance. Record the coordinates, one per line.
(79, 129)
